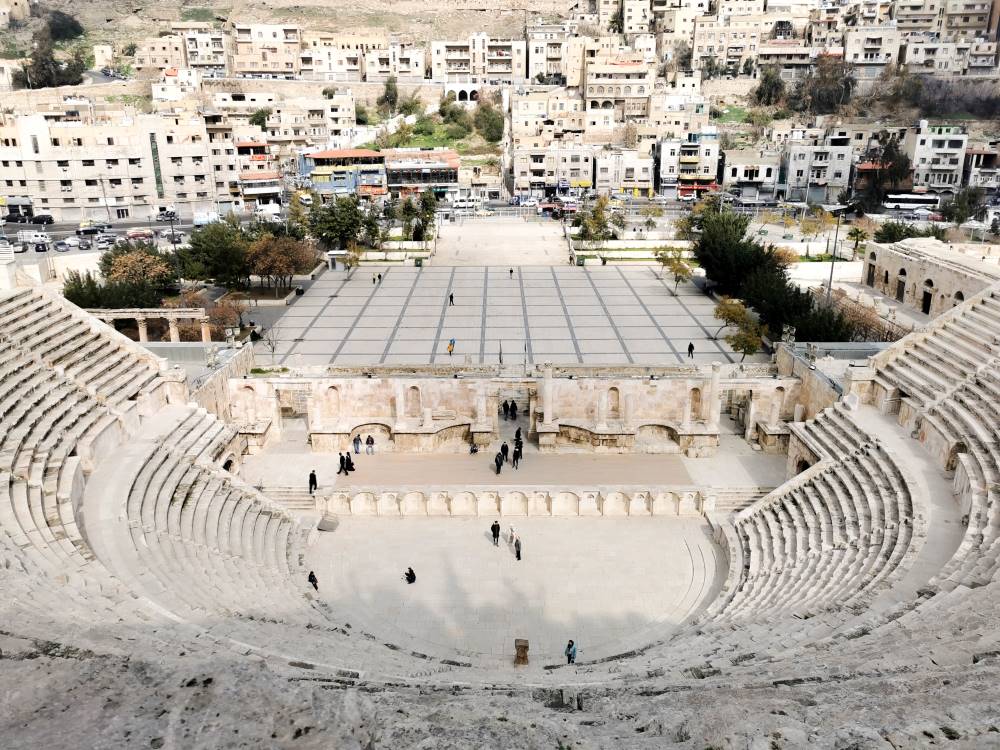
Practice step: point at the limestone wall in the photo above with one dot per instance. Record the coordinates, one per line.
(815, 390)
(213, 392)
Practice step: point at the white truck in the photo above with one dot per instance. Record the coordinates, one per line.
(267, 212)
(33, 237)
(203, 218)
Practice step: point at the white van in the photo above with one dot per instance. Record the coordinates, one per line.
(267, 212)
(305, 199)
(33, 237)
(467, 204)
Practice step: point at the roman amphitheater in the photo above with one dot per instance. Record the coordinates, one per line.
(800, 552)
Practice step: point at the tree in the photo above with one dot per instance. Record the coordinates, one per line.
(489, 122)
(857, 235)
(371, 227)
(770, 88)
(389, 98)
(216, 251)
(44, 70)
(968, 203)
(682, 54)
(62, 26)
(748, 338)
(411, 105)
(298, 214)
(408, 214)
(361, 116)
(595, 224)
(337, 223)
(138, 267)
(748, 67)
(826, 89)
(672, 259)
(894, 231)
(277, 259)
(616, 23)
(259, 117)
(731, 312)
(887, 166)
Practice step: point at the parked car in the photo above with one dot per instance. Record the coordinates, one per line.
(62, 246)
(17, 218)
(174, 238)
(42, 219)
(72, 241)
(105, 241)
(139, 234)
(689, 198)
(529, 202)
(91, 229)
(41, 247)
(167, 216)
(86, 244)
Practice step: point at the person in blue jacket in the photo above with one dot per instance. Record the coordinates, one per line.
(570, 653)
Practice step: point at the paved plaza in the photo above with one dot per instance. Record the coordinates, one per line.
(612, 314)
(609, 584)
(527, 241)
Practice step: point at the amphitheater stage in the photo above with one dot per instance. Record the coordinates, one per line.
(609, 584)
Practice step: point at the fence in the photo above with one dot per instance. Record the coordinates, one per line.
(868, 324)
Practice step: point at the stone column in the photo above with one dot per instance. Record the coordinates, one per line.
(143, 329)
(602, 410)
(206, 331)
(175, 334)
(687, 403)
(715, 397)
(428, 417)
(547, 411)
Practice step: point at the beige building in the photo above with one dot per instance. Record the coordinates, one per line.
(206, 51)
(937, 153)
(623, 171)
(925, 274)
(479, 58)
(331, 64)
(637, 17)
(546, 47)
(557, 168)
(161, 53)
(544, 115)
(14, 12)
(405, 62)
(751, 174)
(871, 49)
(729, 41)
(113, 166)
(618, 90)
(265, 51)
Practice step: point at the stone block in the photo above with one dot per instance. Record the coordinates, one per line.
(437, 504)
(414, 504)
(590, 504)
(388, 504)
(487, 504)
(538, 504)
(520, 651)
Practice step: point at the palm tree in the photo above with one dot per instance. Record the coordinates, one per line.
(857, 235)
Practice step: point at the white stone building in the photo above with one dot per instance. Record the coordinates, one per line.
(479, 58)
(751, 174)
(816, 170)
(937, 153)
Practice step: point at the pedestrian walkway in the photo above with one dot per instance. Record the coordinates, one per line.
(625, 315)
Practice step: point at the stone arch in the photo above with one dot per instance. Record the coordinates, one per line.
(885, 278)
(615, 504)
(959, 298)
(628, 91)
(695, 398)
(642, 90)
(246, 398)
(900, 284)
(474, 95)
(801, 465)
(463, 95)
(607, 105)
(614, 403)
(927, 298)
(929, 283)
(599, 90)
(229, 464)
(872, 257)
(364, 504)
(952, 462)
(665, 504)
(514, 504)
(594, 104)
(331, 402)
(414, 504)
(413, 401)
(566, 504)
(463, 504)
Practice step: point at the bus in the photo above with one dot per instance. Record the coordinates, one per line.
(910, 201)
(467, 204)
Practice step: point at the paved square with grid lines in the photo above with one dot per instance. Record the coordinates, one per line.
(561, 314)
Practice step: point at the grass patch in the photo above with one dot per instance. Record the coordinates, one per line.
(200, 15)
(732, 115)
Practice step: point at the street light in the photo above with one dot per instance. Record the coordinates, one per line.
(833, 258)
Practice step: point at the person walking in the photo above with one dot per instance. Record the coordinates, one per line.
(690, 351)
(517, 547)
(380, 278)
(451, 347)
(512, 273)
(515, 457)
(313, 485)
(348, 463)
(343, 465)
(495, 530)
(506, 409)
(498, 460)
(570, 653)
(373, 279)
(513, 410)
(357, 445)
(409, 576)
(504, 451)
(370, 445)
(313, 580)
(451, 299)
(517, 435)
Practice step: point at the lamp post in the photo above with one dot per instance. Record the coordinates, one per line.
(833, 258)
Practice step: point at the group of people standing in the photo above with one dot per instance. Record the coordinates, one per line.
(513, 540)
(346, 462)
(505, 454)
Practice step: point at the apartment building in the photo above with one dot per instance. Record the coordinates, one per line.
(410, 171)
(331, 64)
(751, 174)
(302, 122)
(343, 172)
(206, 51)
(618, 89)
(546, 45)
(480, 58)
(259, 171)
(555, 170)
(793, 58)
(543, 115)
(937, 153)
(871, 49)
(726, 9)
(265, 51)
(982, 166)
(674, 115)
(626, 171)
(688, 165)
(966, 19)
(353, 42)
(674, 20)
(405, 62)
(816, 170)
(110, 166)
(917, 16)
(161, 53)
(730, 41)
(637, 17)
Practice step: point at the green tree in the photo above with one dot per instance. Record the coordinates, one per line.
(857, 235)
(259, 117)
(595, 224)
(216, 251)
(968, 203)
(770, 87)
(672, 259)
(411, 105)
(337, 223)
(748, 338)
(489, 122)
(888, 166)
(408, 214)
(44, 70)
(389, 98)
(62, 26)
(894, 231)
(617, 22)
(827, 88)
(361, 116)
(731, 312)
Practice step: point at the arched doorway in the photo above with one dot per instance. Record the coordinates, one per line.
(413, 401)
(870, 279)
(463, 96)
(331, 403)
(959, 298)
(614, 404)
(695, 397)
(801, 466)
(952, 462)
(928, 298)
(901, 285)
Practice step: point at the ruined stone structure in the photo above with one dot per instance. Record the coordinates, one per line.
(858, 609)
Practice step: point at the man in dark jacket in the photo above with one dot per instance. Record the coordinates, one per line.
(504, 450)
(313, 485)
(495, 529)
(343, 465)
(313, 580)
